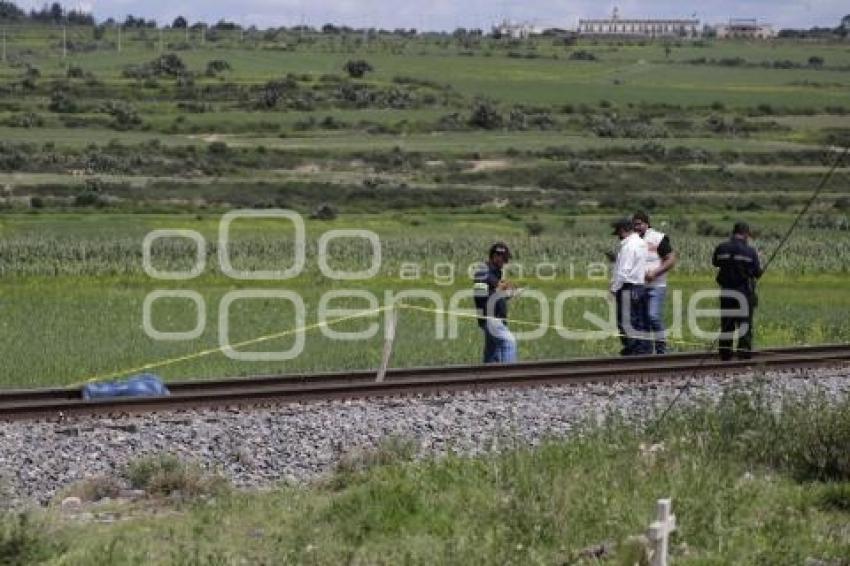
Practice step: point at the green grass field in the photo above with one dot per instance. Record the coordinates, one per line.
(72, 310)
(399, 152)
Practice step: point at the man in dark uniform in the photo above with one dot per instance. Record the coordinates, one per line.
(739, 268)
(491, 295)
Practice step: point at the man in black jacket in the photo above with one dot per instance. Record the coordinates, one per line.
(739, 268)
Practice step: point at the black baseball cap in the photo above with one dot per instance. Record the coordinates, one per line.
(622, 224)
(741, 228)
(501, 249)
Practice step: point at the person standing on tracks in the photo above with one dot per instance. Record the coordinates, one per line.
(491, 294)
(659, 260)
(739, 269)
(629, 290)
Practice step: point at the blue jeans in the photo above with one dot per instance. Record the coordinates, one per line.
(655, 308)
(632, 320)
(499, 343)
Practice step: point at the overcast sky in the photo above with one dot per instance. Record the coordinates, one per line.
(449, 14)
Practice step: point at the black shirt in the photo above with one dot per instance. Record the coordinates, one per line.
(664, 248)
(739, 265)
(487, 279)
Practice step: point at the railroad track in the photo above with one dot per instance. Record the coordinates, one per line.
(61, 402)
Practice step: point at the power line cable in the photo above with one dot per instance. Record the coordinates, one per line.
(791, 229)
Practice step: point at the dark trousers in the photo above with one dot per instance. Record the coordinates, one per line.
(633, 320)
(736, 316)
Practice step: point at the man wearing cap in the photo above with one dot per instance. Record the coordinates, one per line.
(491, 295)
(627, 286)
(739, 268)
(659, 260)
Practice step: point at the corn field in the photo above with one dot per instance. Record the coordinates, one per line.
(809, 251)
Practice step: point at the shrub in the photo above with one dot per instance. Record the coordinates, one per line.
(218, 148)
(95, 488)
(165, 474)
(61, 103)
(25, 120)
(390, 450)
(169, 65)
(815, 61)
(582, 55)
(324, 212)
(88, 198)
(732, 61)
(535, 228)
(124, 116)
(357, 69)
(486, 116)
(835, 497)
(217, 66)
(706, 228)
(25, 541)
(75, 72)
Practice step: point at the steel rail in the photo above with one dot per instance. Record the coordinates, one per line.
(62, 402)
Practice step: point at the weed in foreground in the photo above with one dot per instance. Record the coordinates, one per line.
(166, 474)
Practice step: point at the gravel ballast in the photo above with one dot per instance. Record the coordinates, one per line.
(257, 447)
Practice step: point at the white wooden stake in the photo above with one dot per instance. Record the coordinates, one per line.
(659, 532)
(161, 44)
(4, 45)
(389, 337)
(64, 41)
(119, 38)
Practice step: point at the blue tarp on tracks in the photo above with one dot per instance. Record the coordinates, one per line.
(142, 385)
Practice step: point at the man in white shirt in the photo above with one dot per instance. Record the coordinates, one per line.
(660, 259)
(627, 286)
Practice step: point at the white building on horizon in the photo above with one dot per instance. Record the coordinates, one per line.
(639, 28)
(514, 30)
(740, 28)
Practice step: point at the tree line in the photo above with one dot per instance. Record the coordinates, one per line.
(54, 13)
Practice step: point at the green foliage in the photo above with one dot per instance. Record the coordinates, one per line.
(10, 12)
(355, 465)
(217, 67)
(62, 103)
(535, 228)
(167, 65)
(94, 488)
(486, 116)
(124, 115)
(25, 120)
(75, 72)
(549, 504)
(358, 68)
(166, 474)
(835, 496)
(24, 540)
(582, 55)
(805, 437)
